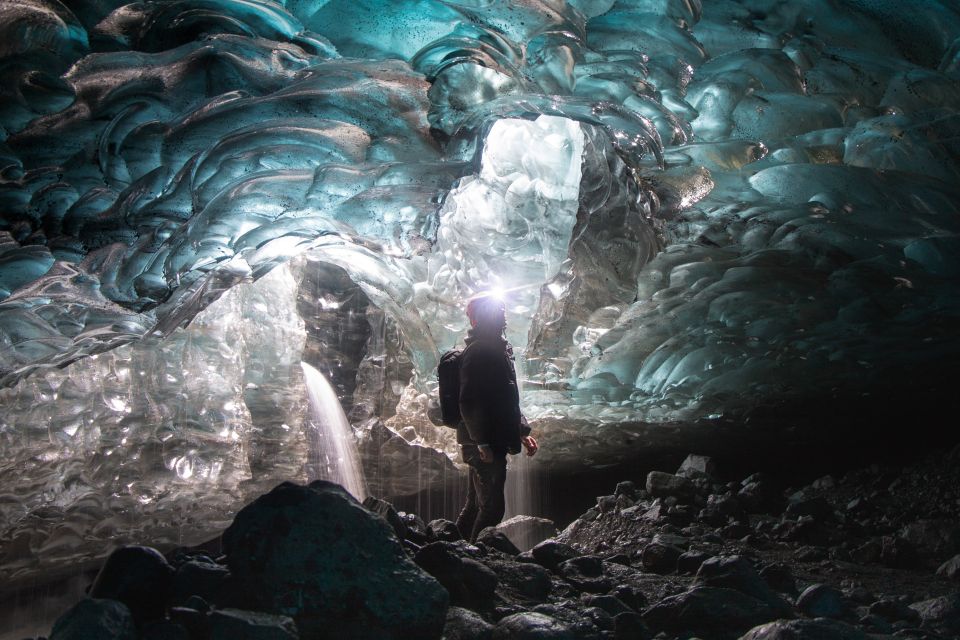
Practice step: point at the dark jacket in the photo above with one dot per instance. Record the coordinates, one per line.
(489, 399)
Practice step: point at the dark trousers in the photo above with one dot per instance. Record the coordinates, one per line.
(485, 500)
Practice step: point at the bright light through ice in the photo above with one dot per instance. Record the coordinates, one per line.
(506, 231)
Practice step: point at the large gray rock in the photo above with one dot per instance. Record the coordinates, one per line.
(892, 610)
(660, 558)
(735, 572)
(463, 624)
(822, 601)
(524, 581)
(525, 532)
(941, 613)
(532, 626)
(817, 629)
(236, 624)
(315, 554)
(586, 574)
(469, 583)
(662, 485)
(696, 465)
(495, 539)
(708, 612)
(550, 553)
(94, 619)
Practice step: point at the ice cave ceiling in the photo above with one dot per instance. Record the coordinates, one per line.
(694, 211)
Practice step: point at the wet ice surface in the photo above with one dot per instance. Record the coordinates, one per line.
(695, 211)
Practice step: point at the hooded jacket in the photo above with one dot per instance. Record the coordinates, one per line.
(489, 398)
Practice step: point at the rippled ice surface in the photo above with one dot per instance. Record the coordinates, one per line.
(693, 210)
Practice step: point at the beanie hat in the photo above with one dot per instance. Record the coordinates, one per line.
(484, 310)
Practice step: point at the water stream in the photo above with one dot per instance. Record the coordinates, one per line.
(333, 450)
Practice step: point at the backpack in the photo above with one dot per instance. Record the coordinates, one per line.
(448, 375)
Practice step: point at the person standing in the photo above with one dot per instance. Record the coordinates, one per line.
(492, 425)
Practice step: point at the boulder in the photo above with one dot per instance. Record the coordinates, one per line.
(663, 485)
(525, 581)
(892, 610)
(696, 465)
(735, 572)
(630, 595)
(315, 554)
(479, 579)
(709, 612)
(442, 561)
(660, 558)
(584, 623)
(95, 619)
(532, 626)
(609, 603)
(495, 539)
(726, 504)
(468, 582)
(463, 624)
(941, 613)
(527, 531)
(416, 527)
(607, 504)
(822, 601)
(441, 529)
(550, 553)
(817, 629)
(236, 624)
(586, 574)
(139, 577)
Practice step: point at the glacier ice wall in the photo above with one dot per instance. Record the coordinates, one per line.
(694, 210)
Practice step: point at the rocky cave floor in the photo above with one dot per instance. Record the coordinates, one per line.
(872, 553)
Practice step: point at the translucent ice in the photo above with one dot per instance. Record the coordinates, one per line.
(695, 208)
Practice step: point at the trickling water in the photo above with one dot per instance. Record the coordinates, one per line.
(522, 496)
(333, 454)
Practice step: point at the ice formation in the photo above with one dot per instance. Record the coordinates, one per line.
(694, 210)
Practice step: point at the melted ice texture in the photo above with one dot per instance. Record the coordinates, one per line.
(694, 210)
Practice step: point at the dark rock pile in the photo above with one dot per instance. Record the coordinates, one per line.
(298, 562)
(872, 554)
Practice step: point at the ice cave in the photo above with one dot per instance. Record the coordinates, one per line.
(237, 235)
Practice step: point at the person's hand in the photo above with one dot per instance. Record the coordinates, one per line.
(530, 444)
(486, 453)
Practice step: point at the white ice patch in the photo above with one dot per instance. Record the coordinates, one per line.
(509, 226)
